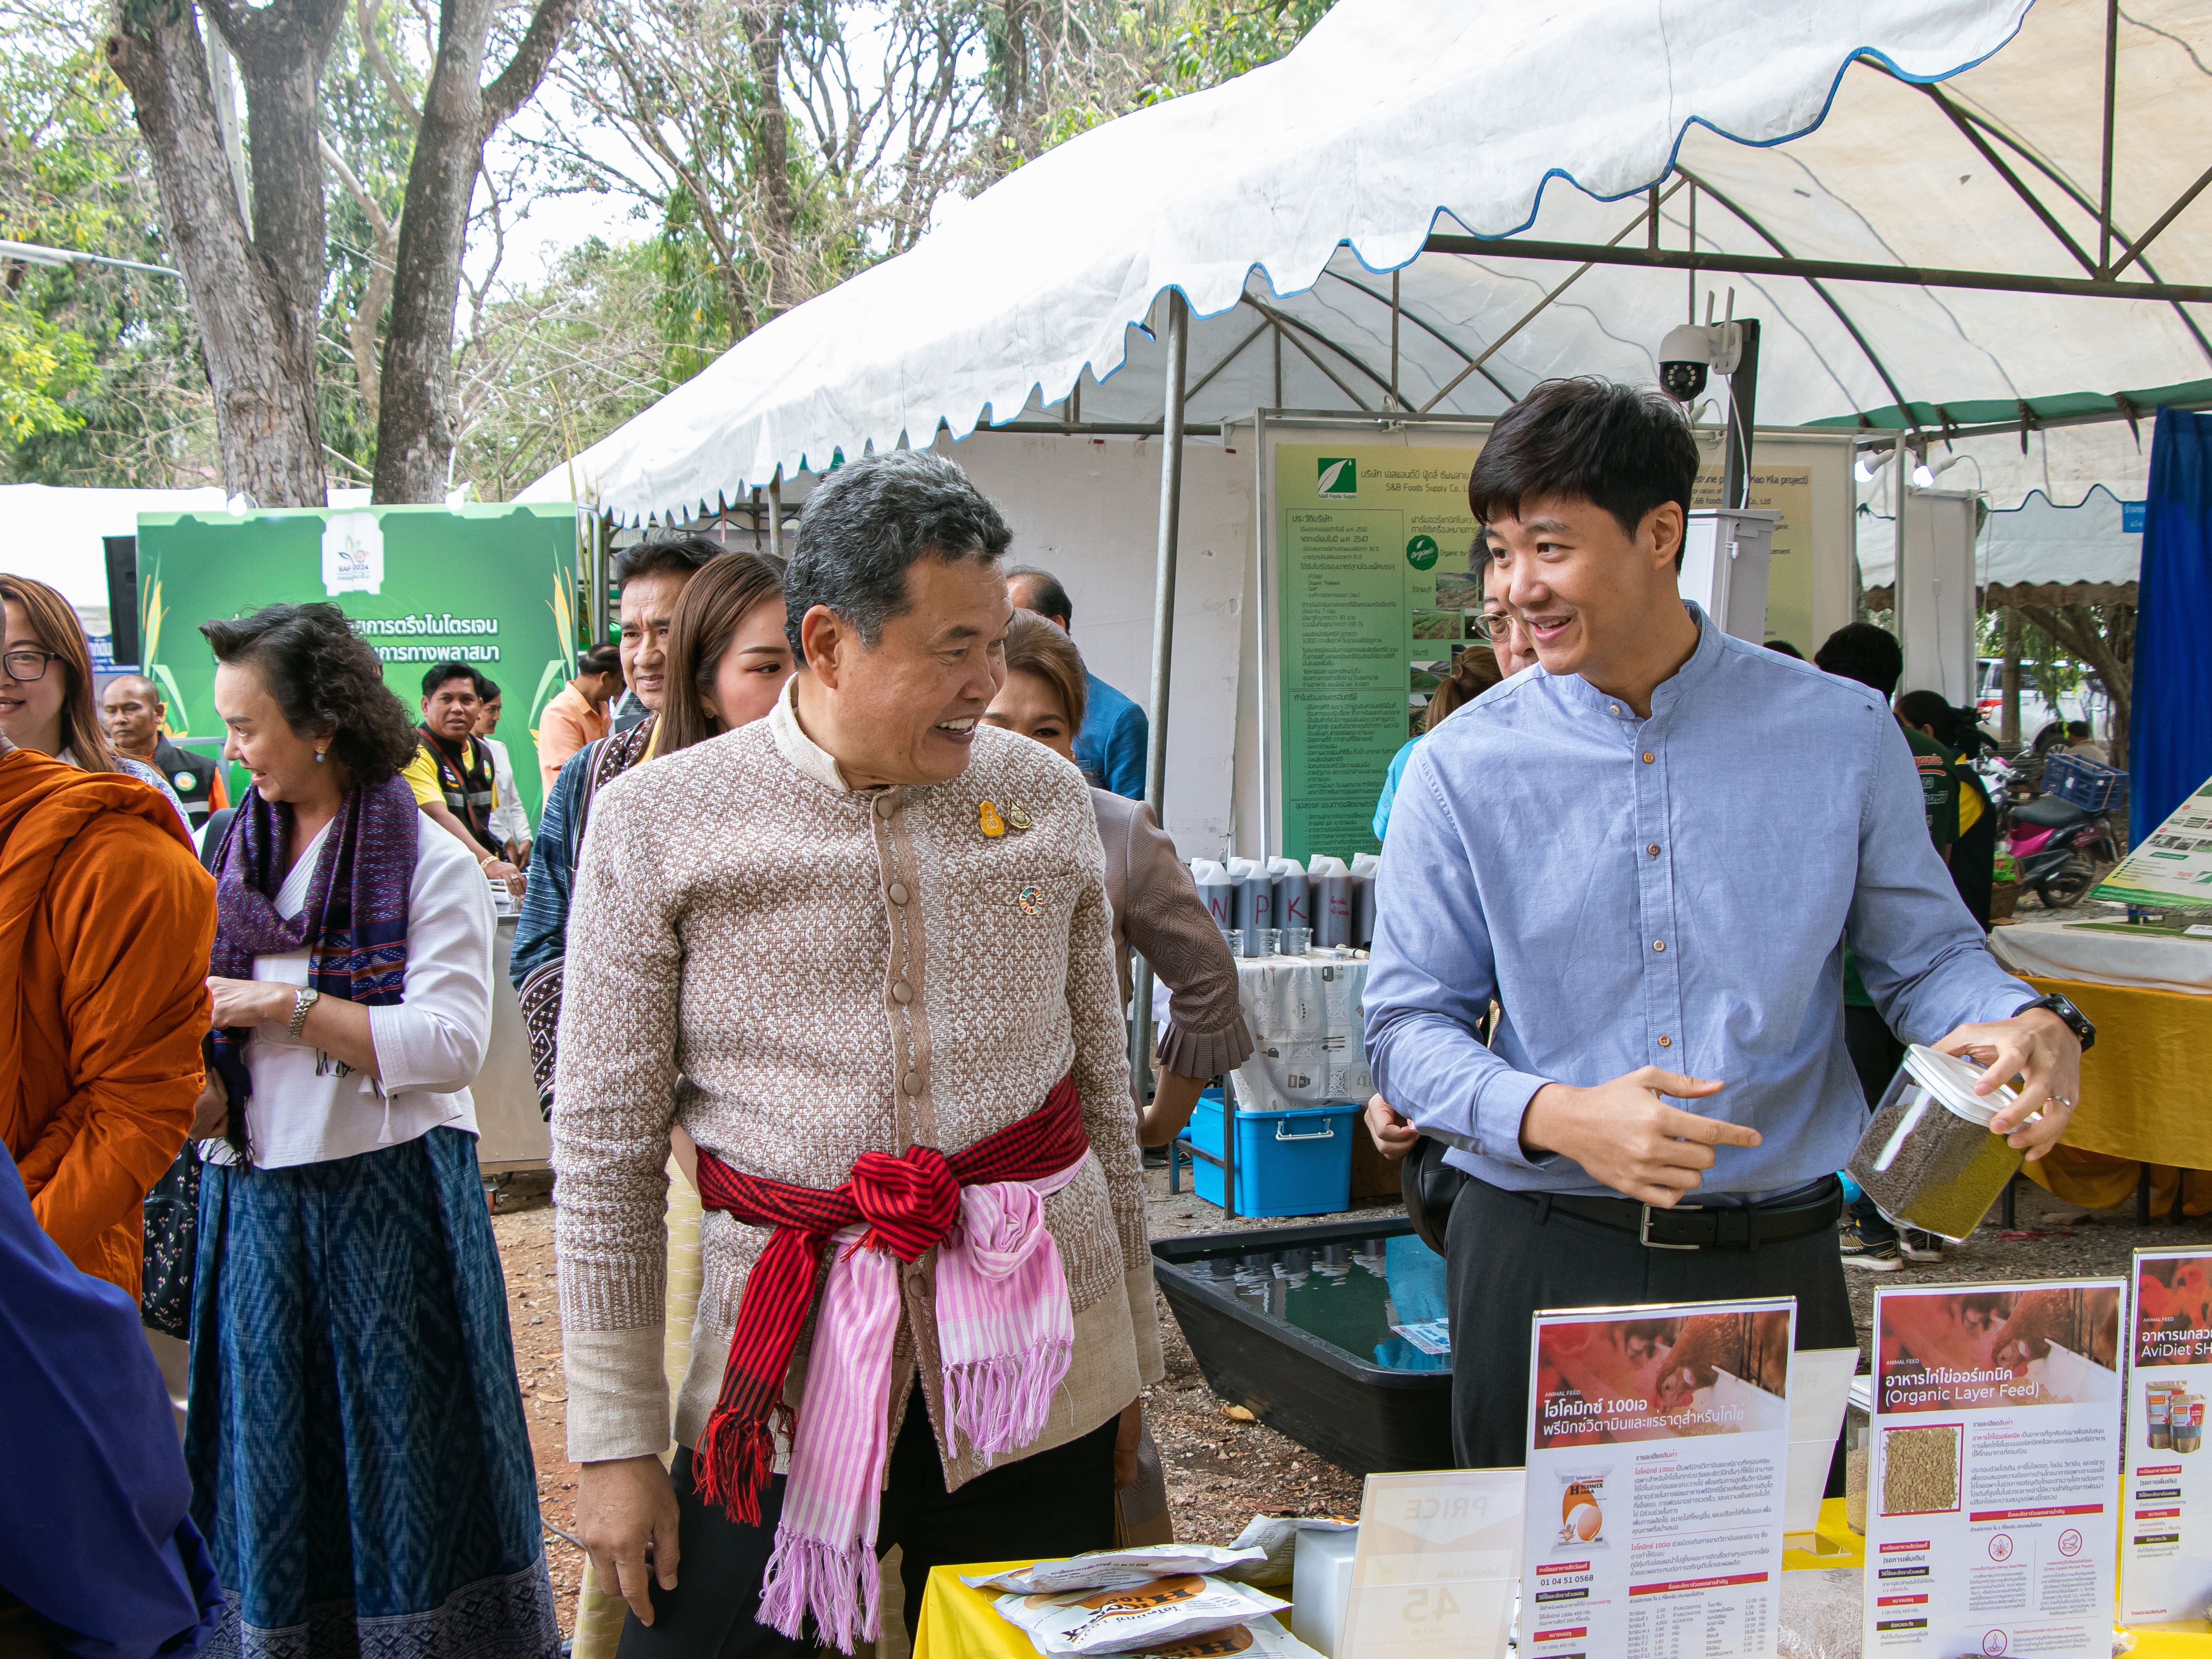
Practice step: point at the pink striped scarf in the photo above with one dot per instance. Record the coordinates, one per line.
(1005, 1334)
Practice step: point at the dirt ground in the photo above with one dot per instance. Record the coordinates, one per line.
(1222, 1471)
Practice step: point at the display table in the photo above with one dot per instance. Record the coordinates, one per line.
(2107, 953)
(960, 1623)
(2146, 1085)
(2146, 1098)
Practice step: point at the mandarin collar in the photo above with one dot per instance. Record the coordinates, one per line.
(1682, 683)
(794, 746)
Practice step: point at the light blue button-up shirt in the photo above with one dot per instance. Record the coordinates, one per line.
(1672, 892)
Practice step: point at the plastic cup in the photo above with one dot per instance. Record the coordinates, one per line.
(1271, 942)
(1233, 937)
(1296, 941)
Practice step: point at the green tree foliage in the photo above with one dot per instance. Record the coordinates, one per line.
(100, 377)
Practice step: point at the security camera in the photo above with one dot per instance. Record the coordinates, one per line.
(1684, 355)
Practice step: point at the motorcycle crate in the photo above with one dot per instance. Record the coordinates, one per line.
(2092, 787)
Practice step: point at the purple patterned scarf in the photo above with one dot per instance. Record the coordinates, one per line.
(354, 921)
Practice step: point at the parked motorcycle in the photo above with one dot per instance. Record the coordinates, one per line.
(2056, 848)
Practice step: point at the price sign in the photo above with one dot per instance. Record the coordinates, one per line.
(1438, 1566)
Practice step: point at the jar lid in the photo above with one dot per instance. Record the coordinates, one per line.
(1952, 1079)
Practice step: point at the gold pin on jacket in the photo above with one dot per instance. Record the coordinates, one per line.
(993, 825)
(1017, 817)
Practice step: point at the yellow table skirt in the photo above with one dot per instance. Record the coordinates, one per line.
(960, 1623)
(2146, 1097)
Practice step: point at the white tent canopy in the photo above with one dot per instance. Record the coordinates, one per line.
(1797, 129)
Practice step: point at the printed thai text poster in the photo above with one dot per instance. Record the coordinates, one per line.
(1993, 1483)
(1658, 1457)
(2166, 1540)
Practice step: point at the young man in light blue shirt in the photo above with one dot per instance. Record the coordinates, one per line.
(1649, 850)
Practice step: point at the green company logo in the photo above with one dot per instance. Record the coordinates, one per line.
(1421, 552)
(1339, 476)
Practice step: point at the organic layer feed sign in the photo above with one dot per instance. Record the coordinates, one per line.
(493, 587)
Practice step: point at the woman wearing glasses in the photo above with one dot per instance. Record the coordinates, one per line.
(46, 697)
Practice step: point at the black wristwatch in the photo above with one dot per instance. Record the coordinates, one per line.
(2076, 1021)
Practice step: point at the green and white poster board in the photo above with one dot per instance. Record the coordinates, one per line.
(494, 586)
(1367, 595)
(2172, 869)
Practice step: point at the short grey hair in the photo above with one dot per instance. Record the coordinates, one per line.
(864, 524)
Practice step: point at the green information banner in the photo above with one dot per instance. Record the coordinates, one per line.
(494, 586)
(1371, 550)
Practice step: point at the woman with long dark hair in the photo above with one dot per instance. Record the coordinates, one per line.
(361, 1465)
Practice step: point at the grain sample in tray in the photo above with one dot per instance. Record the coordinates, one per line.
(1920, 1470)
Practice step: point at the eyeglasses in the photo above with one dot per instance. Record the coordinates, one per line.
(1481, 625)
(26, 666)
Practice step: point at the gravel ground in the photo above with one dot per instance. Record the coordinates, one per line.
(1222, 1470)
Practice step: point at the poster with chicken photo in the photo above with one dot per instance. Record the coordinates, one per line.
(2166, 1535)
(1993, 1485)
(1658, 1458)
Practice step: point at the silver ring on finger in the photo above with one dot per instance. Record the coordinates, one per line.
(2063, 1101)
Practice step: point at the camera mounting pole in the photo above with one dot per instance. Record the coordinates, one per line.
(1743, 390)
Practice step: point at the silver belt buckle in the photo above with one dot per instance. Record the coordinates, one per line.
(1643, 1230)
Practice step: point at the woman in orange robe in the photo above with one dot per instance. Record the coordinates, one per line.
(105, 919)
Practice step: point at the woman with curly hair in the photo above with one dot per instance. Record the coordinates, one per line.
(361, 1465)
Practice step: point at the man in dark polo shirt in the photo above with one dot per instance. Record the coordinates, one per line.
(133, 712)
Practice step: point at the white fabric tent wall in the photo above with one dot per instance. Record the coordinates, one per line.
(2034, 542)
(56, 536)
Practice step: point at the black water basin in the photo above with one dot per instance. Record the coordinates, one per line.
(1295, 1324)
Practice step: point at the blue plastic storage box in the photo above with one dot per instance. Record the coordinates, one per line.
(1288, 1163)
(2078, 779)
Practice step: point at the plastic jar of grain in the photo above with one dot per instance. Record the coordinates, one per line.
(1928, 1158)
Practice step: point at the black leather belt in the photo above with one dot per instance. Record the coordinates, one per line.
(1809, 1209)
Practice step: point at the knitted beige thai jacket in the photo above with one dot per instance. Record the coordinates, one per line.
(828, 972)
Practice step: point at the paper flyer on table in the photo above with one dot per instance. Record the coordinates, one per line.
(1658, 1458)
(2166, 1540)
(1993, 1486)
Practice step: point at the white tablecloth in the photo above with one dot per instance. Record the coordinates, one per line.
(1307, 1024)
(2105, 955)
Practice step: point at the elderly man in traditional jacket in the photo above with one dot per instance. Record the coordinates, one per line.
(862, 951)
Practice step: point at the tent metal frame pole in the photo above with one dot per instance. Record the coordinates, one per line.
(2112, 90)
(2163, 221)
(1539, 309)
(1164, 597)
(1839, 271)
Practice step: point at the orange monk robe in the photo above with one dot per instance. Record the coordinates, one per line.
(106, 921)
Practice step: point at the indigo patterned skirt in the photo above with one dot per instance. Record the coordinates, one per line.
(361, 1468)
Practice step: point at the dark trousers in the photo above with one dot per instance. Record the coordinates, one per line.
(1058, 1503)
(1502, 1264)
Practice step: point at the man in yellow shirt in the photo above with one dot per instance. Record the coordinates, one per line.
(452, 774)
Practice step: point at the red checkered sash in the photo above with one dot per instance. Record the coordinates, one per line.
(909, 1202)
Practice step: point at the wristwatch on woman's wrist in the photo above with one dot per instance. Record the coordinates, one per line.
(305, 997)
(2073, 1019)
